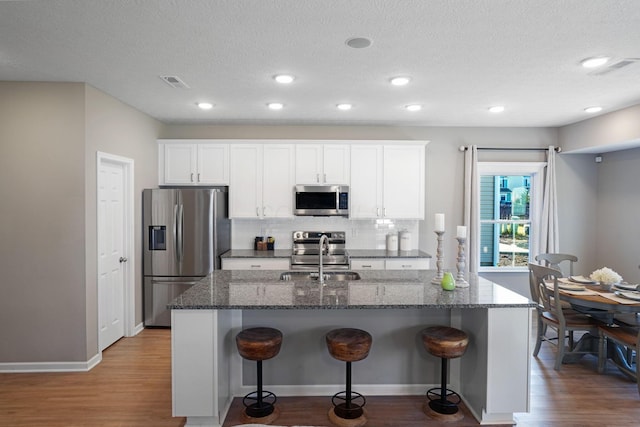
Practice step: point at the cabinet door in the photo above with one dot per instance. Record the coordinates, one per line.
(335, 164)
(213, 164)
(277, 181)
(308, 164)
(403, 186)
(367, 264)
(407, 264)
(180, 164)
(366, 182)
(245, 181)
(255, 263)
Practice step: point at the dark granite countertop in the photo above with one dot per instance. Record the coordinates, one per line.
(353, 253)
(381, 253)
(241, 289)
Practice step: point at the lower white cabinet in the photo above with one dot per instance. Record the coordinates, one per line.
(390, 263)
(255, 263)
(367, 263)
(407, 264)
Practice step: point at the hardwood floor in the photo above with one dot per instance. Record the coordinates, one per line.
(132, 387)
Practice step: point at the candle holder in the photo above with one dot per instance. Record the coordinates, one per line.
(460, 281)
(438, 279)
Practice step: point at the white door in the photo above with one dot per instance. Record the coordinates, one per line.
(111, 255)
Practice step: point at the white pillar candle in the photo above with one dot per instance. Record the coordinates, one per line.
(461, 231)
(439, 223)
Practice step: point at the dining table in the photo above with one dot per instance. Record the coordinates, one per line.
(618, 304)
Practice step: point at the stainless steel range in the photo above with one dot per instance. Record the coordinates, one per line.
(306, 251)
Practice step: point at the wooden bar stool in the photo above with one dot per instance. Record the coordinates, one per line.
(348, 345)
(259, 344)
(446, 343)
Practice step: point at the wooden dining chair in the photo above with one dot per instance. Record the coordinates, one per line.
(554, 260)
(625, 336)
(564, 321)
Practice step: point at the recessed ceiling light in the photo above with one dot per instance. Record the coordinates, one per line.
(284, 78)
(275, 106)
(400, 81)
(358, 42)
(496, 109)
(594, 62)
(205, 105)
(593, 109)
(344, 107)
(413, 107)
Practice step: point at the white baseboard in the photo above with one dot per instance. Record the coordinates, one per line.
(51, 366)
(137, 329)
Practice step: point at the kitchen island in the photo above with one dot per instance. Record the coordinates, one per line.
(207, 372)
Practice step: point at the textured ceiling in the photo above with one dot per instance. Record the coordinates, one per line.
(463, 56)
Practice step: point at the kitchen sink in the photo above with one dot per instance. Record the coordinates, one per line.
(331, 276)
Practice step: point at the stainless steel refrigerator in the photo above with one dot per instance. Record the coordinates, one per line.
(185, 232)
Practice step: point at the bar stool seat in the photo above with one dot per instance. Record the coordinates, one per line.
(259, 344)
(348, 345)
(446, 343)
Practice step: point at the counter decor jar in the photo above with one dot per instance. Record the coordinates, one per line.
(405, 240)
(392, 242)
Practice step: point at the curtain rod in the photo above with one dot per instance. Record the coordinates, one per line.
(465, 148)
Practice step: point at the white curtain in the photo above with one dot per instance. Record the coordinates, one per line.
(549, 236)
(472, 207)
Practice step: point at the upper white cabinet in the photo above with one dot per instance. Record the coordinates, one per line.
(189, 163)
(322, 163)
(387, 181)
(261, 181)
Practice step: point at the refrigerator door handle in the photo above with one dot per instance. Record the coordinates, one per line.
(179, 240)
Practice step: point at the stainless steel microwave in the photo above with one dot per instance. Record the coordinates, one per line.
(321, 200)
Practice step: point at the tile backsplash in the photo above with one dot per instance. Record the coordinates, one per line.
(360, 234)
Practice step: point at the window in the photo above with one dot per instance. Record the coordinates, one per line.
(510, 206)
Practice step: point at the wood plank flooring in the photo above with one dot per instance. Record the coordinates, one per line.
(132, 387)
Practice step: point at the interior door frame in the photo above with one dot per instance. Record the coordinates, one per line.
(128, 238)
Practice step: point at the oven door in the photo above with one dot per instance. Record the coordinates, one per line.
(310, 262)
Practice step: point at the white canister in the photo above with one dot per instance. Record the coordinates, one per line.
(392, 242)
(405, 240)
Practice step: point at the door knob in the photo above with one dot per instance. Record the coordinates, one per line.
(123, 259)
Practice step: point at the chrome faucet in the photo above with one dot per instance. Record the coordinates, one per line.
(324, 243)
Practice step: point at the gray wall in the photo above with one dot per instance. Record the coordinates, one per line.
(617, 237)
(42, 222)
(49, 134)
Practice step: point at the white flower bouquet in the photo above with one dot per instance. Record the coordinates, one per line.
(606, 276)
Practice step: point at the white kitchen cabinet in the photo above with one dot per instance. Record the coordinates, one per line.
(367, 263)
(407, 264)
(255, 263)
(322, 164)
(261, 181)
(193, 163)
(387, 181)
(390, 263)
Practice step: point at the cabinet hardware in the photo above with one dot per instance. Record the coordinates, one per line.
(198, 176)
(123, 259)
(191, 176)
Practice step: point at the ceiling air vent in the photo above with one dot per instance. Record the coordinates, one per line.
(615, 66)
(175, 82)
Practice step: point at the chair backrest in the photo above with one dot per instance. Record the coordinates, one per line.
(554, 260)
(549, 298)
